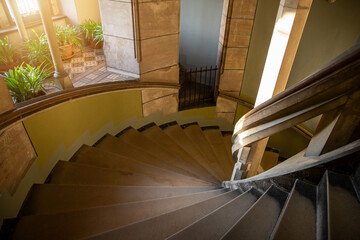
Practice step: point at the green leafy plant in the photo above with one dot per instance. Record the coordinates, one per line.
(26, 82)
(7, 52)
(93, 31)
(68, 35)
(98, 34)
(88, 28)
(37, 50)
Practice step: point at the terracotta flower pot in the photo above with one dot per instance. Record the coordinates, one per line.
(4, 68)
(94, 44)
(67, 51)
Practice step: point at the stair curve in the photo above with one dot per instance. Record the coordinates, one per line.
(168, 187)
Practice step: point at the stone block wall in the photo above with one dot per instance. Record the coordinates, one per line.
(154, 57)
(236, 28)
(235, 33)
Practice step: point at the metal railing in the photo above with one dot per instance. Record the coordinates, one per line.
(198, 87)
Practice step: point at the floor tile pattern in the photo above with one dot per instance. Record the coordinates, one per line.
(85, 68)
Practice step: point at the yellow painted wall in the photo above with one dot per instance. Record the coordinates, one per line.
(240, 111)
(207, 112)
(87, 9)
(64, 124)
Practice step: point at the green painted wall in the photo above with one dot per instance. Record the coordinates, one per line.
(66, 123)
(240, 111)
(330, 30)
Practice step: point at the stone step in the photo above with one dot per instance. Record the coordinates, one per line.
(356, 180)
(100, 158)
(55, 198)
(259, 221)
(76, 173)
(298, 219)
(216, 224)
(338, 212)
(92, 221)
(133, 137)
(115, 145)
(157, 135)
(196, 136)
(215, 139)
(167, 224)
(176, 133)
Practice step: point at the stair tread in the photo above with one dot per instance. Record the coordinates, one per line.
(134, 137)
(100, 158)
(344, 207)
(298, 219)
(55, 198)
(160, 227)
(115, 145)
(356, 180)
(215, 139)
(77, 173)
(198, 139)
(88, 222)
(157, 134)
(264, 213)
(176, 133)
(217, 223)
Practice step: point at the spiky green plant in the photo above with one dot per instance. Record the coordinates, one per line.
(88, 27)
(93, 30)
(68, 35)
(7, 52)
(26, 82)
(37, 50)
(98, 34)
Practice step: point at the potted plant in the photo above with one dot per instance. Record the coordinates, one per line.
(37, 50)
(26, 82)
(93, 33)
(8, 58)
(68, 39)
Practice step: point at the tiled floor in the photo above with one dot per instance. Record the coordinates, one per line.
(87, 67)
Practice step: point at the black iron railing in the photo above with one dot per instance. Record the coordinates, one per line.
(198, 87)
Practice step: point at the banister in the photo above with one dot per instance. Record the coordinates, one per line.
(27, 108)
(336, 84)
(339, 62)
(325, 90)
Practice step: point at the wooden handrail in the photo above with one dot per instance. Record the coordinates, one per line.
(336, 84)
(339, 62)
(32, 106)
(328, 89)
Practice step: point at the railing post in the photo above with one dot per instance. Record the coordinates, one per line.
(336, 127)
(60, 75)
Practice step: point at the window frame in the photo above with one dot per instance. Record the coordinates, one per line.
(27, 19)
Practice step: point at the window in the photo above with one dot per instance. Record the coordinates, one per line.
(28, 9)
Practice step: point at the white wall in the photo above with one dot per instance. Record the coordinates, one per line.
(199, 32)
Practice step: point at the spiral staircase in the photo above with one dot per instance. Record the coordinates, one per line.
(165, 182)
